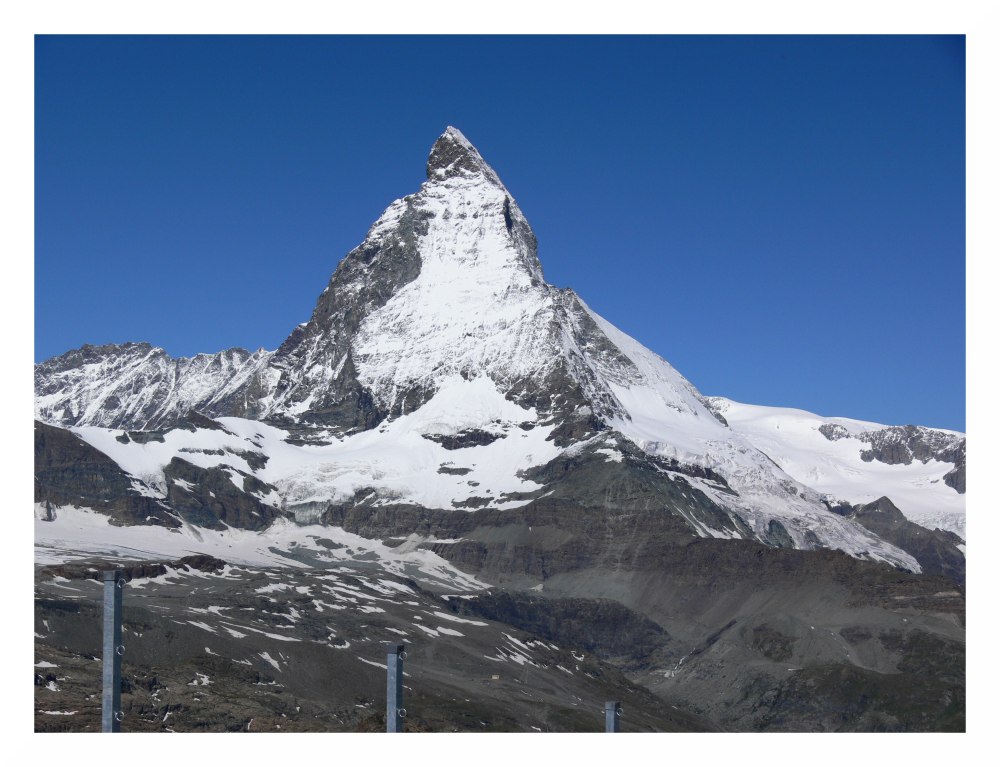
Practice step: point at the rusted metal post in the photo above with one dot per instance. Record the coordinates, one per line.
(111, 696)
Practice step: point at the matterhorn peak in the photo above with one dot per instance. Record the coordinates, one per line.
(453, 155)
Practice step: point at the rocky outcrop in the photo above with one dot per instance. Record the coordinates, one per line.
(211, 498)
(599, 626)
(132, 570)
(956, 477)
(70, 472)
(904, 444)
(936, 550)
(834, 431)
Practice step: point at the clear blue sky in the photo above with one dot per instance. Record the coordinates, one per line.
(782, 218)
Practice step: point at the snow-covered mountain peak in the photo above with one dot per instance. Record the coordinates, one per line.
(453, 155)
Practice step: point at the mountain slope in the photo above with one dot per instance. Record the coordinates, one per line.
(440, 370)
(921, 470)
(138, 386)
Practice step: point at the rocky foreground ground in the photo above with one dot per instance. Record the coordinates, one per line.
(215, 647)
(212, 647)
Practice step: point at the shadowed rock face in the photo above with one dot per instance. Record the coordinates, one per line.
(759, 638)
(936, 550)
(69, 472)
(592, 512)
(956, 477)
(316, 362)
(209, 498)
(599, 626)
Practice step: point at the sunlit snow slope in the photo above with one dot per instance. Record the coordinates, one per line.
(834, 466)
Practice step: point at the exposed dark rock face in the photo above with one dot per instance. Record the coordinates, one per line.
(778, 536)
(770, 642)
(956, 477)
(742, 624)
(208, 497)
(255, 460)
(713, 407)
(834, 431)
(142, 437)
(452, 156)
(193, 420)
(466, 438)
(453, 470)
(69, 472)
(904, 444)
(758, 635)
(538, 540)
(594, 512)
(935, 550)
(600, 626)
(132, 570)
(844, 698)
(843, 508)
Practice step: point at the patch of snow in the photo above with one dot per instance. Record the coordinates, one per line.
(203, 626)
(267, 657)
(456, 619)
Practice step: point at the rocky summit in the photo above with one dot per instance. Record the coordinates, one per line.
(450, 432)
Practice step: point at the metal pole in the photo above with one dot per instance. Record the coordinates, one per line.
(394, 711)
(111, 698)
(612, 712)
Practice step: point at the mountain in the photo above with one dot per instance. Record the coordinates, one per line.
(921, 469)
(449, 416)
